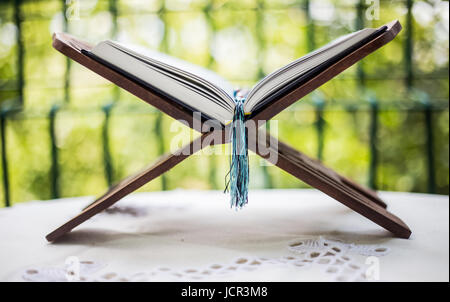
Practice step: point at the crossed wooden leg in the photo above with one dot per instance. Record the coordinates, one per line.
(134, 182)
(312, 172)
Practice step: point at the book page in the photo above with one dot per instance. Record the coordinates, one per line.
(189, 90)
(178, 66)
(278, 79)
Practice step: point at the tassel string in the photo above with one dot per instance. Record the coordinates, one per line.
(238, 176)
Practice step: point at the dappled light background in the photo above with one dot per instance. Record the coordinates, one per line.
(65, 131)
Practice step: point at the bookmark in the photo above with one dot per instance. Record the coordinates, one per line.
(239, 168)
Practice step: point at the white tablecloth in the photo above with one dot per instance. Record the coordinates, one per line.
(281, 235)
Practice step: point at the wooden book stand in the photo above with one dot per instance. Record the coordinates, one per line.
(312, 172)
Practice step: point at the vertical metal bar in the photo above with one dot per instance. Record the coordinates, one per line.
(159, 116)
(160, 139)
(409, 45)
(318, 101)
(20, 50)
(260, 38)
(68, 61)
(429, 148)
(373, 132)
(209, 19)
(64, 12)
(6, 195)
(212, 175)
(310, 28)
(373, 128)
(268, 183)
(320, 123)
(259, 30)
(409, 81)
(107, 159)
(114, 11)
(54, 153)
(360, 8)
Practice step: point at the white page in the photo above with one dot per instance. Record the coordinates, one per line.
(277, 79)
(160, 80)
(194, 72)
(203, 89)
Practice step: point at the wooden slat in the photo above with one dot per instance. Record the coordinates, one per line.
(326, 180)
(132, 183)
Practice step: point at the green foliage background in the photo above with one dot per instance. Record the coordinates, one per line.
(242, 41)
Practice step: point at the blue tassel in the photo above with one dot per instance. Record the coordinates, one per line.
(239, 169)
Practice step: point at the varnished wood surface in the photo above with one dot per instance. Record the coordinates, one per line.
(312, 172)
(134, 182)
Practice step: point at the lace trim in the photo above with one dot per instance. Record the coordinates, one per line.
(335, 258)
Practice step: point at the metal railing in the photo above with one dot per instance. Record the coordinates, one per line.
(425, 104)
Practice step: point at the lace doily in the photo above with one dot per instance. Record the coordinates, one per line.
(336, 259)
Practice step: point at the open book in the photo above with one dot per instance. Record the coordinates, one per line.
(192, 87)
(201, 90)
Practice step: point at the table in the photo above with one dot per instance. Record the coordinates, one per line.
(183, 235)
